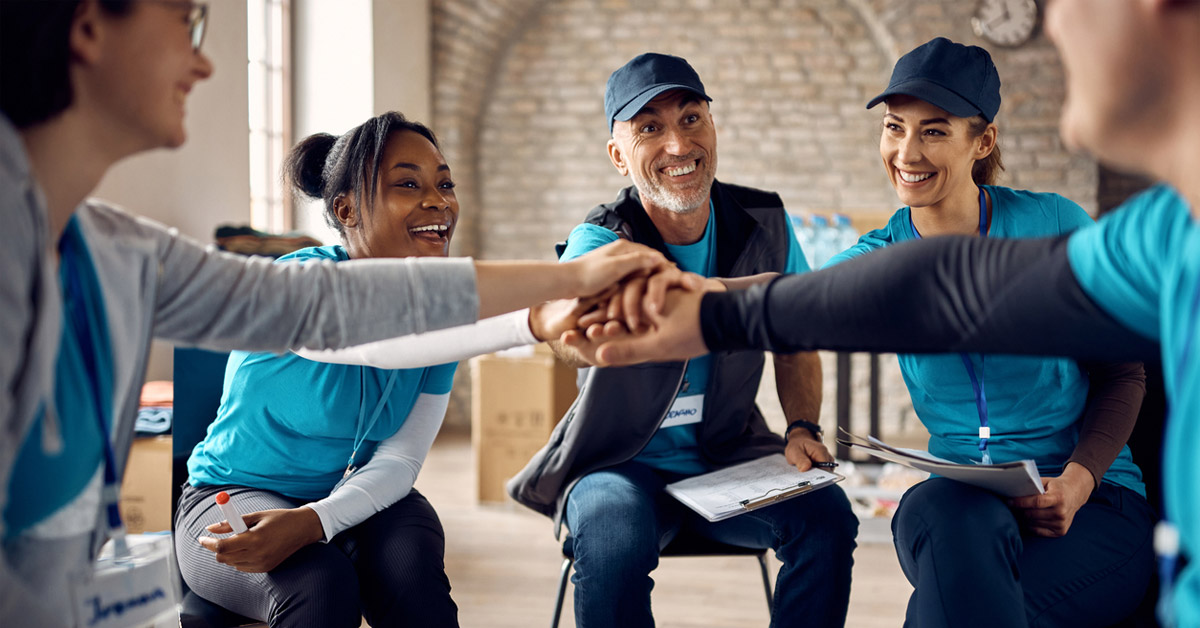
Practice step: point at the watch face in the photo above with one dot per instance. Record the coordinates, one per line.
(1006, 22)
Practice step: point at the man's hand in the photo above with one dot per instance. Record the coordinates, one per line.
(640, 297)
(586, 342)
(1051, 513)
(274, 535)
(803, 449)
(674, 335)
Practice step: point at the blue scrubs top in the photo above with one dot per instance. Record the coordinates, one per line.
(288, 424)
(676, 449)
(1141, 264)
(1034, 403)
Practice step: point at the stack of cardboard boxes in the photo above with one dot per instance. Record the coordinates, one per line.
(517, 397)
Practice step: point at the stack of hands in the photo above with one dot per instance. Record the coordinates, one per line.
(652, 315)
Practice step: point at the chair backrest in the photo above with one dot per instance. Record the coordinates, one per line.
(199, 378)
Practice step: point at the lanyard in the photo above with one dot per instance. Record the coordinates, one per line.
(70, 258)
(360, 434)
(977, 381)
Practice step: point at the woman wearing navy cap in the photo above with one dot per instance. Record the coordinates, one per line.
(1080, 554)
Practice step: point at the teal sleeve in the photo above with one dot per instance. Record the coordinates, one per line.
(1070, 215)
(796, 262)
(439, 379)
(1119, 262)
(585, 238)
(869, 241)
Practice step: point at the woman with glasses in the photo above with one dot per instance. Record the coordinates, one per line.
(85, 287)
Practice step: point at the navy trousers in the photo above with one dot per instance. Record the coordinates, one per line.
(964, 553)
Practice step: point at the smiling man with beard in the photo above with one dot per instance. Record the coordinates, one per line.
(634, 430)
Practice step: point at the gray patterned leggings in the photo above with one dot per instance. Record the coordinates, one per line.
(388, 569)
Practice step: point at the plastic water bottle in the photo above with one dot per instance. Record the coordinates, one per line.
(820, 243)
(847, 235)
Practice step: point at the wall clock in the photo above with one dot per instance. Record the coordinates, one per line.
(1006, 22)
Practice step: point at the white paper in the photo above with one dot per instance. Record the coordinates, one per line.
(1019, 478)
(719, 495)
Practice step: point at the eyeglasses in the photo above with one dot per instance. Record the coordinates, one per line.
(197, 19)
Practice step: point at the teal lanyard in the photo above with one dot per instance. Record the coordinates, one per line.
(977, 381)
(360, 434)
(70, 258)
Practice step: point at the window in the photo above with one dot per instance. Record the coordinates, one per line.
(268, 42)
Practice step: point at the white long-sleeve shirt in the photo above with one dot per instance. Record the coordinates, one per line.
(390, 473)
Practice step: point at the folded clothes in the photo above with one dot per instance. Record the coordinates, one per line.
(159, 394)
(153, 420)
(249, 241)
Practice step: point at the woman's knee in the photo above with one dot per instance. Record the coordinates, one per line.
(954, 514)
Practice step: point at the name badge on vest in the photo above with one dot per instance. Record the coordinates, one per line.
(139, 591)
(685, 411)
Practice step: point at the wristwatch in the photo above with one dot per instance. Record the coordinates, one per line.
(808, 425)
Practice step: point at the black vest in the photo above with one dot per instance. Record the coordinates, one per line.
(618, 410)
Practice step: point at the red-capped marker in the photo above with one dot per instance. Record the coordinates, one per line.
(231, 514)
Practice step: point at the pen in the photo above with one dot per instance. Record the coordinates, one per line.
(231, 514)
(825, 465)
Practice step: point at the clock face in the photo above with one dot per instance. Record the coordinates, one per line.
(1006, 22)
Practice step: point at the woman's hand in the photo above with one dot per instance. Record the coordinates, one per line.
(1051, 513)
(602, 268)
(549, 320)
(274, 535)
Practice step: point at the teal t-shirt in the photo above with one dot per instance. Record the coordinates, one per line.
(288, 424)
(42, 483)
(676, 448)
(1141, 264)
(1034, 403)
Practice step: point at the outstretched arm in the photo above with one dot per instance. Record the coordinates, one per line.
(928, 296)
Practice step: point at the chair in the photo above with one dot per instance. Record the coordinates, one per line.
(199, 378)
(686, 543)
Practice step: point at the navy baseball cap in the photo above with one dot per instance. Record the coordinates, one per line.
(642, 79)
(959, 79)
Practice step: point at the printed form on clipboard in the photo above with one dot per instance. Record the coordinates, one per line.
(1018, 478)
(746, 486)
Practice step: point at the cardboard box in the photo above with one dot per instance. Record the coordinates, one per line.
(516, 400)
(146, 488)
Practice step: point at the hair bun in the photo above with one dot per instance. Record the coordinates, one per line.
(305, 164)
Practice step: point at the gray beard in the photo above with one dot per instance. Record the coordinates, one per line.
(679, 203)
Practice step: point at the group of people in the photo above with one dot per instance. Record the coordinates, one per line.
(341, 367)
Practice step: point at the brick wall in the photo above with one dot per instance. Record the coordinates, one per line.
(519, 86)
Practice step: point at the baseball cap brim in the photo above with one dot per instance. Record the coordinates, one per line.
(931, 93)
(641, 100)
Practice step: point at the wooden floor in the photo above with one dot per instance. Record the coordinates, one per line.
(503, 563)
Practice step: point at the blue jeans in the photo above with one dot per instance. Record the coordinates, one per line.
(621, 518)
(963, 551)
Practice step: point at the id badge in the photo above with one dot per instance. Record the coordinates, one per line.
(685, 411)
(140, 591)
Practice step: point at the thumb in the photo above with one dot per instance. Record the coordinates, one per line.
(625, 350)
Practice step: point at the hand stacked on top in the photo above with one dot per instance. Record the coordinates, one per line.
(649, 316)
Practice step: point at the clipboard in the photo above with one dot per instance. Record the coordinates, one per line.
(748, 486)
(1018, 478)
